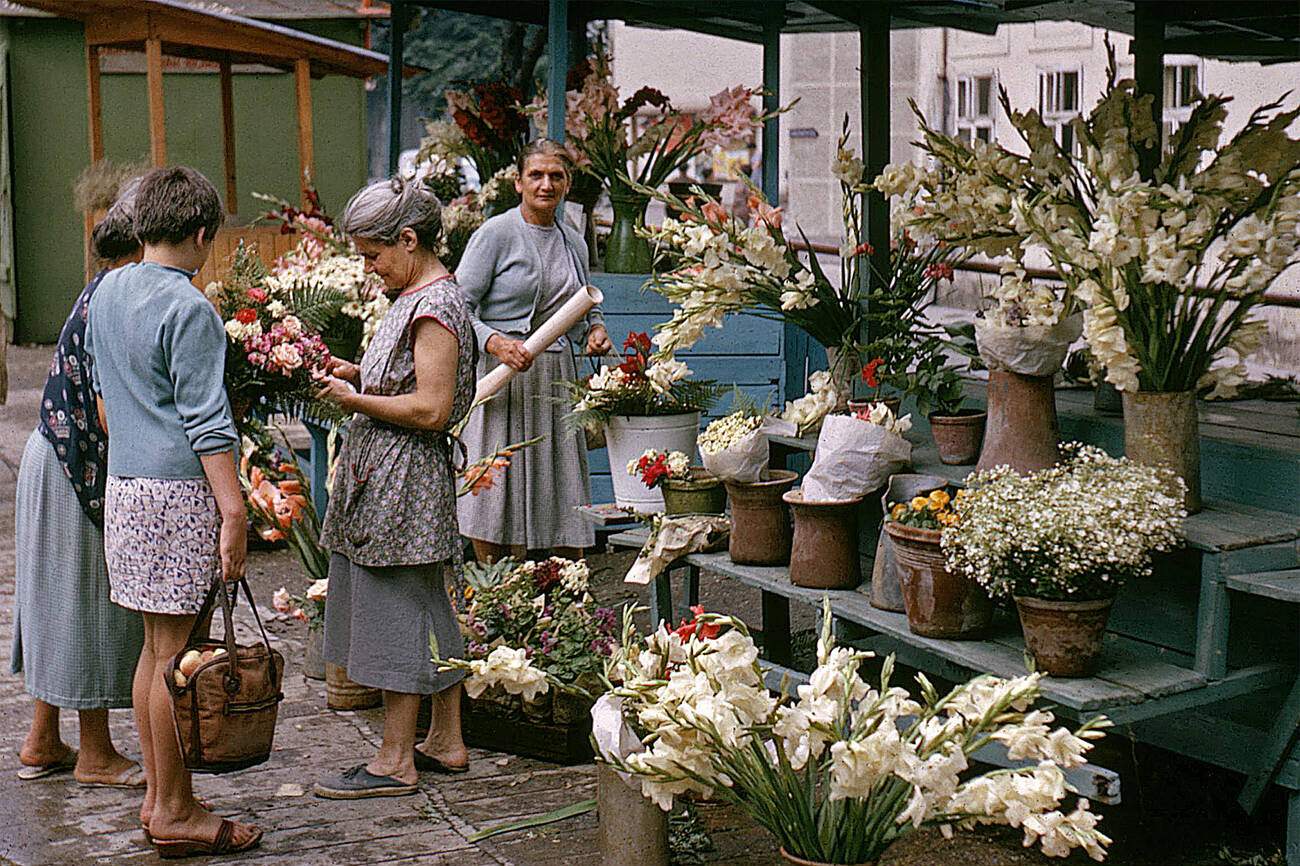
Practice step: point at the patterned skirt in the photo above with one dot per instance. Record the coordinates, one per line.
(73, 646)
(535, 503)
(161, 540)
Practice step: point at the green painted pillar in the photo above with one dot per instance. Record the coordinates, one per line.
(557, 49)
(398, 19)
(873, 32)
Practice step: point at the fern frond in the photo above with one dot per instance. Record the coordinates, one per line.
(316, 305)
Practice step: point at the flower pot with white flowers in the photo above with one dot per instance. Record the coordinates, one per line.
(1168, 264)
(645, 403)
(1061, 542)
(843, 768)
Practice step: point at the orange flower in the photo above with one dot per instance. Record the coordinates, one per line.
(269, 534)
(714, 212)
(488, 474)
(291, 485)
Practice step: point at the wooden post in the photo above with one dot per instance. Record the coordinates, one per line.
(157, 115)
(306, 145)
(557, 52)
(1148, 49)
(873, 33)
(95, 123)
(397, 20)
(771, 102)
(228, 136)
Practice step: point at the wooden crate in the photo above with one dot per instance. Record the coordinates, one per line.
(490, 726)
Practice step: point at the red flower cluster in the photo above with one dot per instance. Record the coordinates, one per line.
(246, 316)
(939, 271)
(653, 471)
(636, 354)
(546, 575)
(497, 120)
(870, 374)
(288, 215)
(695, 628)
(863, 248)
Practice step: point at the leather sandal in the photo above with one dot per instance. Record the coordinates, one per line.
(425, 762)
(174, 849)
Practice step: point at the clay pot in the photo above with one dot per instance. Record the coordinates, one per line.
(1161, 429)
(343, 694)
(1022, 432)
(886, 589)
(824, 554)
(702, 493)
(760, 520)
(1064, 637)
(939, 603)
(958, 437)
(895, 404)
(313, 654)
(799, 861)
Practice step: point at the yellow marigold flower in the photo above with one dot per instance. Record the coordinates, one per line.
(897, 511)
(939, 500)
(919, 503)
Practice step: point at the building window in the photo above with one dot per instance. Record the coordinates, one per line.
(1182, 90)
(975, 108)
(1059, 95)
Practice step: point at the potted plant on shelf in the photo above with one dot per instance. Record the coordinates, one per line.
(939, 391)
(940, 602)
(844, 768)
(642, 404)
(1061, 542)
(1168, 265)
(686, 489)
(760, 520)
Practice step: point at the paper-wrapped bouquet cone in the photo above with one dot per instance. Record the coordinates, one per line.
(573, 311)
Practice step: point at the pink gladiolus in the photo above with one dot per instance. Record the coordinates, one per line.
(714, 213)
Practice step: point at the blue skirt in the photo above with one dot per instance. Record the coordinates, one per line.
(75, 648)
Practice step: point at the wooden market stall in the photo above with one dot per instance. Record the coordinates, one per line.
(1200, 660)
(160, 28)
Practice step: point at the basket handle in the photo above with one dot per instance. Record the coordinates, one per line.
(228, 597)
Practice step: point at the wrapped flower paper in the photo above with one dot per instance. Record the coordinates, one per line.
(857, 453)
(734, 448)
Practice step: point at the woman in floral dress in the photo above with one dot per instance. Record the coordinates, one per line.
(391, 523)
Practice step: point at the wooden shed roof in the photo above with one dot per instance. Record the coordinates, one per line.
(291, 10)
(203, 34)
(1266, 31)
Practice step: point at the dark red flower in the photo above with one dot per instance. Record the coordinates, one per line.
(939, 271)
(246, 316)
(869, 372)
(546, 575)
(653, 472)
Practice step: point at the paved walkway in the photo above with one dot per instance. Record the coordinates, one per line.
(55, 821)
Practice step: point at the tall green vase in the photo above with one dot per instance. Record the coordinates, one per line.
(626, 252)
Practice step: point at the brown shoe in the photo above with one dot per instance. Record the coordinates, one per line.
(174, 849)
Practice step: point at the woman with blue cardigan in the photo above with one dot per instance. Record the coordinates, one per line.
(517, 271)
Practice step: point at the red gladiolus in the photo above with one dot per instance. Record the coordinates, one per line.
(863, 248)
(704, 631)
(869, 374)
(939, 271)
(246, 316)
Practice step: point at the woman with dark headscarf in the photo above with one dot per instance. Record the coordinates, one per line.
(74, 647)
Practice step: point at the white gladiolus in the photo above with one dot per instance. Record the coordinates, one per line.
(509, 669)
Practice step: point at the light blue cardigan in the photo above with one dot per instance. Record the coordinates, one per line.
(501, 270)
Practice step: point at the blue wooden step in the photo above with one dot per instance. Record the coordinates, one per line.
(1280, 585)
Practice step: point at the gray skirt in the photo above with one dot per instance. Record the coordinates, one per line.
(535, 502)
(382, 626)
(75, 648)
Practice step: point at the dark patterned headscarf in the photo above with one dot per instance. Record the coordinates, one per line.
(69, 418)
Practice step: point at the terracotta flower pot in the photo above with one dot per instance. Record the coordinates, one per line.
(886, 588)
(702, 493)
(343, 694)
(632, 828)
(760, 520)
(799, 861)
(1064, 637)
(958, 437)
(1022, 431)
(1161, 429)
(824, 554)
(939, 603)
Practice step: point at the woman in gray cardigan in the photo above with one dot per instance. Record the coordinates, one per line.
(518, 270)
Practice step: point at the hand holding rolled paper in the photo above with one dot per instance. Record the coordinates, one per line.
(573, 311)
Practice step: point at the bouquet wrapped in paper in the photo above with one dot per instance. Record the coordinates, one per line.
(1026, 330)
(857, 453)
(734, 448)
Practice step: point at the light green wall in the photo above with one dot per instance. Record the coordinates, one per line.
(48, 105)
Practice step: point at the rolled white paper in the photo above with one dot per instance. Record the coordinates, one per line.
(574, 309)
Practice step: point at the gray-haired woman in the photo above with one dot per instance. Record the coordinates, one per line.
(391, 522)
(518, 270)
(74, 647)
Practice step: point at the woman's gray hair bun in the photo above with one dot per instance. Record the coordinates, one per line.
(380, 210)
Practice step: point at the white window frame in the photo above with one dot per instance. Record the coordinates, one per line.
(970, 121)
(1056, 118)
(1175, 114)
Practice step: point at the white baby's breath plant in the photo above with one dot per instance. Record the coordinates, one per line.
(1076, 531)
(725, 432)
